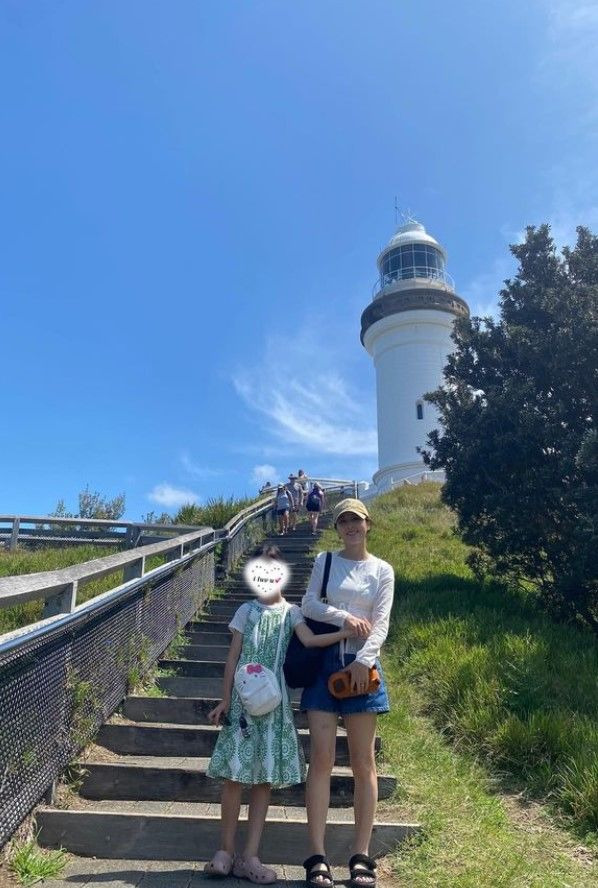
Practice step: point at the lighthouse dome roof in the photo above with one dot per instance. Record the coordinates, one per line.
(412, 232)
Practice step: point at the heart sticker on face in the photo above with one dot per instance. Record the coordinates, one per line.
(266, 576)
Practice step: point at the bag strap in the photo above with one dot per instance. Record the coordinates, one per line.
(257, 611)
(280, 634)
(324, 588)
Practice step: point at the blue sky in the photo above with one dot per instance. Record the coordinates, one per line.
(193, 195)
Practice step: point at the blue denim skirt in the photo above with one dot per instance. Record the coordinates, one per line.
(317, 696)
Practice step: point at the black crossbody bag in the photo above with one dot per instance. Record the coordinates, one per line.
(302, 665)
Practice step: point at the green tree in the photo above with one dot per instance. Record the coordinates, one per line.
(154, 518)
(517, 436)
(93, 505)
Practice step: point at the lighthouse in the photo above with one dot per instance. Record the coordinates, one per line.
(406, 329)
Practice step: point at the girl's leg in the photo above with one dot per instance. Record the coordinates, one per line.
(361, 733)
(259, 800)
(322, 741)
(230, 805)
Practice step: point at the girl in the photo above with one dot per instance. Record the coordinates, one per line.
(259, 751)
(359, 596)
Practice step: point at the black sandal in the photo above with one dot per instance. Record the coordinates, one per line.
(363, 866)
(318, 876)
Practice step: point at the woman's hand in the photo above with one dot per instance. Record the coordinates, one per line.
(361, 627)
(360, 676)
(219, 712)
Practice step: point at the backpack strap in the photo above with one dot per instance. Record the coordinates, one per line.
(324, 589)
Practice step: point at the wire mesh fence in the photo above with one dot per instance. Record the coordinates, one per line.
(61, 680)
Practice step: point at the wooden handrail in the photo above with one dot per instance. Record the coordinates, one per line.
(29, 587)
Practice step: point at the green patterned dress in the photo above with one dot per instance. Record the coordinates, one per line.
(271, 753)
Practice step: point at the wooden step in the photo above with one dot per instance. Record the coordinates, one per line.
(193, 668)
(157, 831)
(216, 653)
(179, 779)
(209, 637)
(149, 738)
(181, 711)
(185, 686)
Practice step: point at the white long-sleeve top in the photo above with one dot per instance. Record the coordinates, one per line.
(361, 588)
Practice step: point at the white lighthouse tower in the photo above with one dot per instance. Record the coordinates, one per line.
(406, 329)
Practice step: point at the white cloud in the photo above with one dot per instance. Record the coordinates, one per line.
(318, 415)
(169, 496)
(301, 389)
(263, 473)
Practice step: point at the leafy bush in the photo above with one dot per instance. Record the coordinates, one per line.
(517, 438)
(217, 512)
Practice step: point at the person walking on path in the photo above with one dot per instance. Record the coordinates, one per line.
(284, 504)
(296, 493)
(303, 482)
(359, 596)
(315, 503)
(259, 751)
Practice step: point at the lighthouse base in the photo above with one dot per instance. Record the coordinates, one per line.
(413, 472)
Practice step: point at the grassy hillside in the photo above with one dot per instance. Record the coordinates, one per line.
(494, 709)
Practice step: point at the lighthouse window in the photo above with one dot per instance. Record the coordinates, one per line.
(420, 410)
(409, 261)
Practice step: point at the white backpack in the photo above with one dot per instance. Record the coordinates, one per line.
(257, 686)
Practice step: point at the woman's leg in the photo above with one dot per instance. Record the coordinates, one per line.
(322, 743)
(361, 733)
(259, 800)
(230, 805)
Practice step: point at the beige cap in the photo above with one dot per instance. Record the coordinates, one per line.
(349, 505)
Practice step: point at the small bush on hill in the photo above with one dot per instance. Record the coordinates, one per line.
(217, 512)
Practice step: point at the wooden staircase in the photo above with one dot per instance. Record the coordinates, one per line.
(145, 795)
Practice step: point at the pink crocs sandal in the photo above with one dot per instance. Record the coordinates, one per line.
(221, 864)
(253, 869)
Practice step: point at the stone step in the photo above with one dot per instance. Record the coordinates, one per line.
(164, 739)
(181, 711)
(144, 778)
(185, 831)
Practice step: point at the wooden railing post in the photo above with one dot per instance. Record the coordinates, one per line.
(63, 603)
(134, 570)
(14, 537)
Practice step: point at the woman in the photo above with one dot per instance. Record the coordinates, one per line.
(314, 505)
(359, 597)
(284, 501)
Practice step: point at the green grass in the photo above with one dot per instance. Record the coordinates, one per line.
(491, 702)
(31, 865)
(217, 511)
(24, 561)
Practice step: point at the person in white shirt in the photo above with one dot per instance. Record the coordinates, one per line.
(359, 596)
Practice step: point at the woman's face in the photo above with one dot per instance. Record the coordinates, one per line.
(352, 528)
